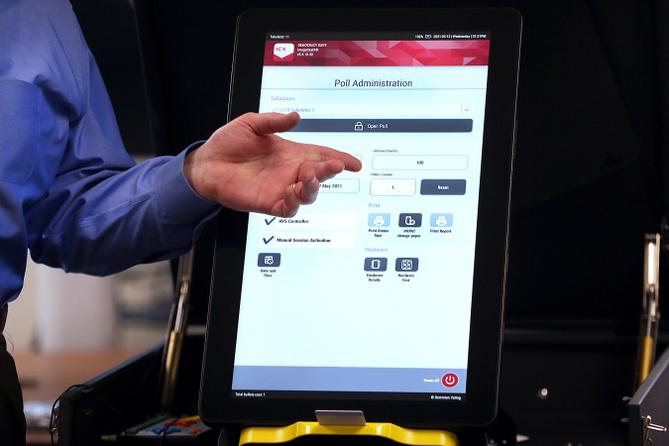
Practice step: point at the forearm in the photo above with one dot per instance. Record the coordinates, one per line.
(110, 221)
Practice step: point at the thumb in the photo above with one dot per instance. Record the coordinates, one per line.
(267, 123)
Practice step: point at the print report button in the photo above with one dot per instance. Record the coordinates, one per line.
(441, 220)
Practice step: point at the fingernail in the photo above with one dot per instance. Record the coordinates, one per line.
(292, 212)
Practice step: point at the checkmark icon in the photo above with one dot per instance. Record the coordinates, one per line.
(269, 222)
(267, 240)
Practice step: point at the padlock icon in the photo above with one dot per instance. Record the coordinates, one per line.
(358, 126)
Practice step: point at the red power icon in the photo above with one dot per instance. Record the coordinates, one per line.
(449, 380)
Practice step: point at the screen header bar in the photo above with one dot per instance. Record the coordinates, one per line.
(385, 35)
(361, 53)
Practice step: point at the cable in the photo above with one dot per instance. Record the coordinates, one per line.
(164, 433)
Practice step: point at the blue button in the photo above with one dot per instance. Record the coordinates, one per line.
(378, 220)
(441, 220)
(376, 264)
(443, 187)
(410, 220)
(406, 264)
(269, 259)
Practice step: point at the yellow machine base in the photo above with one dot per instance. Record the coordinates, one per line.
(413, 437)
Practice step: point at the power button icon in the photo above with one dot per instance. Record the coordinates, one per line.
(449, 380)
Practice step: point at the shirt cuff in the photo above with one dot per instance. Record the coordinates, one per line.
(177, 200)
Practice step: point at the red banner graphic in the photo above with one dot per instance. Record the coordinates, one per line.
(365, 53)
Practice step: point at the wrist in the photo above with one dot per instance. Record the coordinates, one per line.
(177, 202)
(192, 170)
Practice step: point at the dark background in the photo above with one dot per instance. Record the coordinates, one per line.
(592, 146)
(592, 98)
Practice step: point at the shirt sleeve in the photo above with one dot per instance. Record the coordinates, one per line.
(101, 212)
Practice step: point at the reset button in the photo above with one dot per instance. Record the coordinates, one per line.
(443, 187)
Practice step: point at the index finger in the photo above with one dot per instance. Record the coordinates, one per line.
(315, 152)
(322, 153)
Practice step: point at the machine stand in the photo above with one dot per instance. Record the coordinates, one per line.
(413, 437)
(340, 423)
(350, 428)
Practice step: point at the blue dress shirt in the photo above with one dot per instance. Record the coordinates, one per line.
(69, 191)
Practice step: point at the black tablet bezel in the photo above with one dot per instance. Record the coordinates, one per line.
(217, 407)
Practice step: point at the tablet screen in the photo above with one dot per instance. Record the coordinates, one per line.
(369, 290)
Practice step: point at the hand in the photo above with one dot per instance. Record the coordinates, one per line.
(244, 166)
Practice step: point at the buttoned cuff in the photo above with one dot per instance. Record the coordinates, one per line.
(177, 200)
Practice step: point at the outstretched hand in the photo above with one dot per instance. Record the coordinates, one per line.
(244, 166)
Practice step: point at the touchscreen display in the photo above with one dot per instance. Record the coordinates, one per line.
(368, 291)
